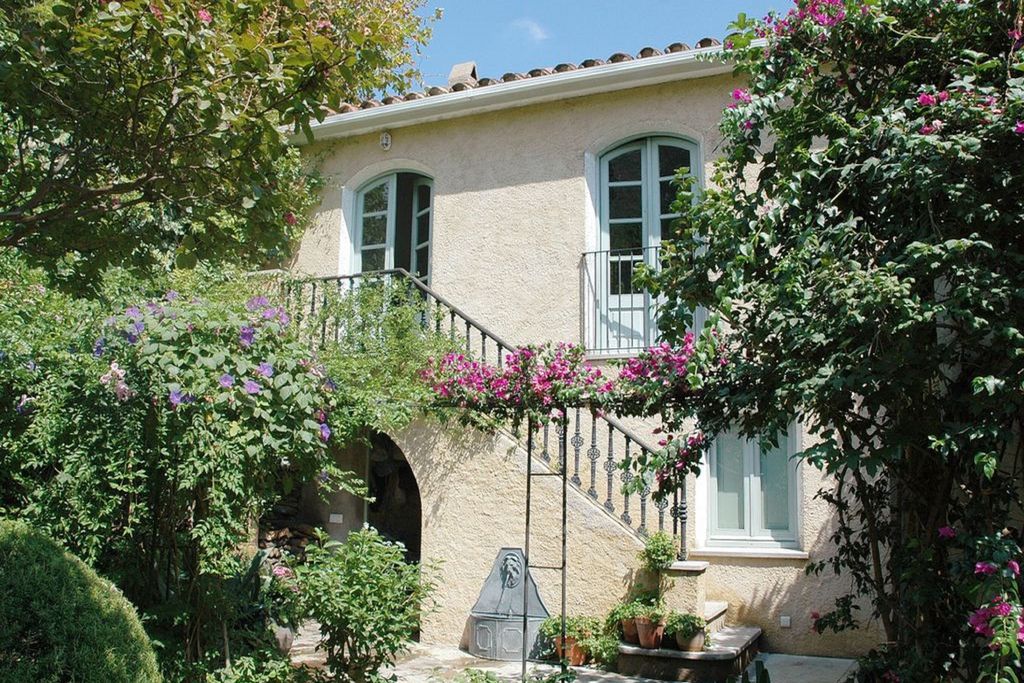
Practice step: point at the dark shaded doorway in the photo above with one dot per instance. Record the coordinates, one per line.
(396, 511)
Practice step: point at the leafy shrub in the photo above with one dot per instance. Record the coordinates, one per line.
(659, 552)
(603, 649)
(61, 620)
(476, 676)
(268, 667)
(578, 627)
(683, 624)
(367, 599)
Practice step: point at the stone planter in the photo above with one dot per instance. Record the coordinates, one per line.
(629, 632)
(284, 637)
(650, 633)
(694, 643)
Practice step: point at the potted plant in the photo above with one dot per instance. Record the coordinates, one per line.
(650, 627)
(577, 631)
(621, 619)
(659, 553)
(688, 630)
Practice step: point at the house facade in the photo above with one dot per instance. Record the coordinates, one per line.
(527, 202)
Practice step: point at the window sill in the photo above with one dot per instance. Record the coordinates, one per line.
(748, 552)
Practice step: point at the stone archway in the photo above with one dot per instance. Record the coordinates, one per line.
(396, 511)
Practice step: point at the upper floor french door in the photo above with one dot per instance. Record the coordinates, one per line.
(636, 200)
(394, 224)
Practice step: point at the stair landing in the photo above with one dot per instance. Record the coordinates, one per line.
(732, 650)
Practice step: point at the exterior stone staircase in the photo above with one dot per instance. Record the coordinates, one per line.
(593, 446)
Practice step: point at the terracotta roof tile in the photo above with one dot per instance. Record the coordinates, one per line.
(464, 78)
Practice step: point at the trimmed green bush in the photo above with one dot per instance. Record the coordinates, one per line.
(61, 621)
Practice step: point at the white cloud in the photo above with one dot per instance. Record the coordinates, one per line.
(532, 30)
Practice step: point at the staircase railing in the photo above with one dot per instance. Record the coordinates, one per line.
(596, 444)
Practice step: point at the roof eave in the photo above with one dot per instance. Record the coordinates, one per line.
(596, 79)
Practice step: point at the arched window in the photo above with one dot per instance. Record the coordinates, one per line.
(394, 220)
(635, 200)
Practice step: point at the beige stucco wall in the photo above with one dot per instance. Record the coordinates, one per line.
(513, 213)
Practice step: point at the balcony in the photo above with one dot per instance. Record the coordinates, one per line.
(619, 318)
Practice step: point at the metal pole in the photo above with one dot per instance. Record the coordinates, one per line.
(526, 545)
(565, 467)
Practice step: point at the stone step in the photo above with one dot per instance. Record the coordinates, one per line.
(732, 650)
(714, 615)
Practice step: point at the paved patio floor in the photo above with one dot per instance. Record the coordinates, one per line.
(430, 664)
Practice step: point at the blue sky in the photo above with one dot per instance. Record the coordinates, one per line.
(507, 36)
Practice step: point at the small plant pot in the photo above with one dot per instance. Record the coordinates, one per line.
(694, 643)
(629, 631)
(650, 633)
(576, 655)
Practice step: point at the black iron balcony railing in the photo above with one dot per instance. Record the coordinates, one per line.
(595, 445)
(619, 318)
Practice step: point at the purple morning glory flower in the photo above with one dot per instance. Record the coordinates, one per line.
(246, 335)
(176, 397)
(132, 339)
(31, 365)
(251, 387)
(266, 369)
(99, 347)
(330, 384)
(155, 309)
(283, 318)
(139, 327)
(256, 303)
(270, 313)
(325, 432)
(226, 381)
(171, 295)
(133, 313)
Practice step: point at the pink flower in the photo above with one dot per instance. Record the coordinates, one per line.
(204, 15)
(1013, 567)
(947, 532)
(747, 125)
(1018, 128)
(943, 96)
(927, 100)
(156, 12)
(933, 127)
(741, 95)
(985, 569)
(290, 218)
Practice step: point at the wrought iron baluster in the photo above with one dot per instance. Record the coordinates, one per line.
(642, 529)
(323, 311)
(561, 447)
(483, 347)
(545, 455)
(467, 337)
(679, 517)
(594, 453)
(451, 325)
(627, 477)
(337, 311)
(577, 443)
(609, 467)
(661, 504)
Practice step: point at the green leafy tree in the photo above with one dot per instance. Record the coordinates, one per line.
(860, 254)
(154, 126)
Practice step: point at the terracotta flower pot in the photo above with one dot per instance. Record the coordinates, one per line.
(577, 655)
(629, 631)
(649, 632)
(695, 643)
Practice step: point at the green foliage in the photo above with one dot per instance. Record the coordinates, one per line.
(153, 470)
(267, 667)
(620, 612)
(659, 552)
(603, 649)
(684, 624)
(476, 676)
(761, 675)
(367, 599)
(62, 621)
(578, 627)
(858, 252)
(112, 150)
